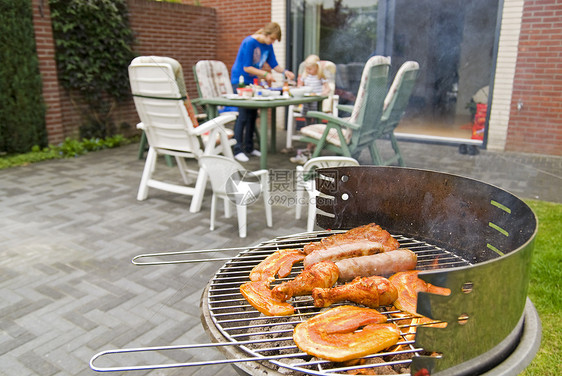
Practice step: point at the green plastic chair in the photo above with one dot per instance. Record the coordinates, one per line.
(349, 137)
(395, 105)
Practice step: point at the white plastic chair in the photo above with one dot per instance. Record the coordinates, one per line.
(329, 105)
(168, 120)
(306, 182)
(236, 185)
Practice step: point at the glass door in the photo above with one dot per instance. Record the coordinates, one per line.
(452, 40)
(342, 31)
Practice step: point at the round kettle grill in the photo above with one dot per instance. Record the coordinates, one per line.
(469, 236)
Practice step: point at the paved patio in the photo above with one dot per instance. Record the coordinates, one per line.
(69, 229)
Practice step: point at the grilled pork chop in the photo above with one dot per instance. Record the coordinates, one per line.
(279, 262)
(334, 334)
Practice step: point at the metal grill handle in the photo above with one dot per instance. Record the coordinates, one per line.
(177, 365)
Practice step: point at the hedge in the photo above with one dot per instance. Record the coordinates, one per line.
(22, 109)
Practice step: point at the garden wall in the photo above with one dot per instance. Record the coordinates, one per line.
(187, 33)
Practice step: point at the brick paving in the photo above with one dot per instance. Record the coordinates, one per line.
(69, 229)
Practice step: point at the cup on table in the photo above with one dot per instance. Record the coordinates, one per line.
(245, 92)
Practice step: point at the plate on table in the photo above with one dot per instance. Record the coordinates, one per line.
(233, 96)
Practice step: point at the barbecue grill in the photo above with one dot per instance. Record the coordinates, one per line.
(469, 236)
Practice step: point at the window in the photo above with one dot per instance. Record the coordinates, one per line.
(452, 40)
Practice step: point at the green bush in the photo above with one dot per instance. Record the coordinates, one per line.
(93, 42)
(22, 110)
(68, 149)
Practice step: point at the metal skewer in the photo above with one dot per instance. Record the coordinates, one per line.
(206, 363)
(294, 241)
(186, 364)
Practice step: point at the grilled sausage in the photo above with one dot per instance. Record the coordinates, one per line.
(360, 241)
(382, 264)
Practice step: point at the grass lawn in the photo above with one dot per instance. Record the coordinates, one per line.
(545, 288)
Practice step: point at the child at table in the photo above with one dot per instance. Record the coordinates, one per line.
(313, 77)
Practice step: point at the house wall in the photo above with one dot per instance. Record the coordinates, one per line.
(536, 125)
(528, 64)
(185, 32)
(505, 72)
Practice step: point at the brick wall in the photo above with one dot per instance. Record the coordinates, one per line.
(47, 67)
(235, 21)
(185, 32)
(537, 127)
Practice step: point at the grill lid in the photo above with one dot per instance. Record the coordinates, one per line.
(489, 229)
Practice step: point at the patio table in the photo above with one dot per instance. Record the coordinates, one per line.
(262, 103)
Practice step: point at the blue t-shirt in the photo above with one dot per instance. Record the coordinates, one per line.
(251, 54)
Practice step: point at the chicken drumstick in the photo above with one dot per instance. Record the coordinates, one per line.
(372, 292)
(322, 274)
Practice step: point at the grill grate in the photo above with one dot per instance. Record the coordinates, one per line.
(264, 336)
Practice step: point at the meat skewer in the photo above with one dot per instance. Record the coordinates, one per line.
(381, 264)
(360, 241)
(372, 292)
(322, 274)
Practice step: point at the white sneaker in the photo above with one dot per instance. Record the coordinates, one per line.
(256, 153)
(300, 158)
(241, 157)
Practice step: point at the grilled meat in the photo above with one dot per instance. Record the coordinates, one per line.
(409, 325)
(333, 335)
(322, 274)
(372, 292)
(360, 241)
(408, 285)
(279, 262)
(258, 294)
(359, 232)
(381, 264)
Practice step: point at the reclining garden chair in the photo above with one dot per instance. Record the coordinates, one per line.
(395, 105)
(212, 79)
(168, 120)
(349, 137)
